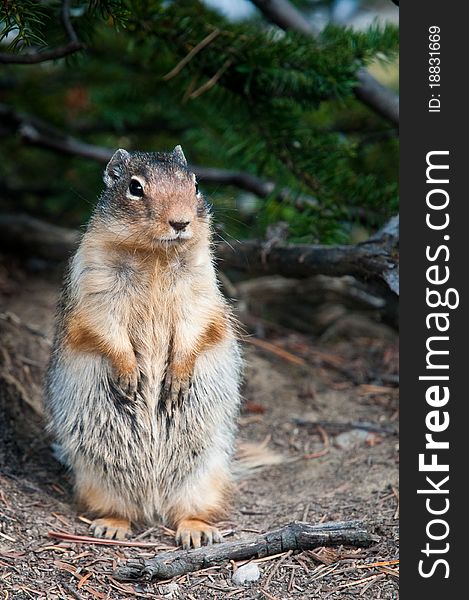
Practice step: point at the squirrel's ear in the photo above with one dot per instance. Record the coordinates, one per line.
(179, 155)
(114, 167)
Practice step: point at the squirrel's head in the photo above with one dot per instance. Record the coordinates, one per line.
(152, 200)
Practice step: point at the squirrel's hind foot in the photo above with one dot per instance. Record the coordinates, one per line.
(111, 528)
(194, 533)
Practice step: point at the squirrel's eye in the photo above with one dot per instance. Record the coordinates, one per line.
(135, 188)
(196, 188)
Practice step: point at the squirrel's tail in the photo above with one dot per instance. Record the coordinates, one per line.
(255, 456)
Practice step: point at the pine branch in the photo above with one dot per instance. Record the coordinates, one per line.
(369, 91)
(32, 58)
(36, 132)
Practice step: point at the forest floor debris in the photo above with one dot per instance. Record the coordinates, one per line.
(301, 408)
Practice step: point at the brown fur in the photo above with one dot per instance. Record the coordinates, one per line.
(149, 431)
(213, 334)
(93, 500)
(221, 489)
(81, 336)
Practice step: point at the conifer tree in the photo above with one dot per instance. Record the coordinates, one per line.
(244, 96)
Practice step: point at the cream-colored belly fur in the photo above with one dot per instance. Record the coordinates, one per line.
(143, 458)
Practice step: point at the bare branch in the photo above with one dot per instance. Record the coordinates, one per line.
(286, 16)
(28, 236)
(51, 140)
(66, 21)
(211, 82)
(200, 46)
(378, 97)
(376, 259)
(294, 536)
(39, 57)
(36, 132)
(32, 58)
(382, 100)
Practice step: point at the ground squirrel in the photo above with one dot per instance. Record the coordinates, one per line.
(142, 389)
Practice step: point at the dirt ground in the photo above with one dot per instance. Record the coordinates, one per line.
(332, 419)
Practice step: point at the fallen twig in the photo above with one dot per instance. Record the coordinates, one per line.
(326, 445)
(388, 571)
(276, 567)
(294, 536)
(85, 539)
(381, 563)
(275, 350)
(357, 582)
(336, 427)
(72, 591)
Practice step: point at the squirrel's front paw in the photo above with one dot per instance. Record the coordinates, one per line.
(127, 374)
(128, 382)
(175, 388)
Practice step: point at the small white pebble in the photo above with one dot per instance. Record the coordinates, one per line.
(246, 573)
(351, 439)
(170, 590)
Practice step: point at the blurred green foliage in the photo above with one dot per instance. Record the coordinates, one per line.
(270, 103)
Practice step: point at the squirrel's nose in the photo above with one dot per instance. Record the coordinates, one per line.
(179, 225)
